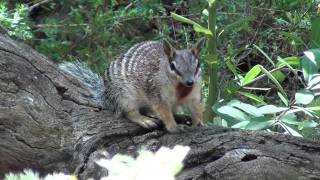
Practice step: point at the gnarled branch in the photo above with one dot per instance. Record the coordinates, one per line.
(49, 123)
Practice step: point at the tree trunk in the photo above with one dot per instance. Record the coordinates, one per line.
(48, 122)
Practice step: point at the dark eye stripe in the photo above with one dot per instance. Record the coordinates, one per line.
(173, 68)
(198, 67)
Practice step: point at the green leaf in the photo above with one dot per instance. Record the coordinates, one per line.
(314, 36)
(211, 1)
(315, 108)
(283, 99)
(241, 124)
(307, 124)
(233, 113)
(271, 109)
(218, 121)
(289, 118)
(259, 123)
(253, 97)
(199, 28)
(304, 97)
(252, 110)
(273, 79)
(265, 55)
(182, 19)
(292, 61)
(253, 73)
(314, 82)
(279, 76)
(310, 63)
(303, 109)
(224, 123)
(291, 131)
(283, 62)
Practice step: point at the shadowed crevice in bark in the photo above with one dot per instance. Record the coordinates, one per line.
(49, 123)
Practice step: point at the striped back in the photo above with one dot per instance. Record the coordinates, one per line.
(137, 65)
(134, 70)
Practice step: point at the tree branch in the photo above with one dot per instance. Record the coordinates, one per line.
(49, 123)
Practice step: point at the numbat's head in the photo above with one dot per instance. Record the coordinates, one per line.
(184, 65)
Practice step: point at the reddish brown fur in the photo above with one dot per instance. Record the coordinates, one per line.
(182, 91)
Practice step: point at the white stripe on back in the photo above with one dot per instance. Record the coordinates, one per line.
(133, 57)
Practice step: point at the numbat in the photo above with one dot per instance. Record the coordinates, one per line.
(148, 82)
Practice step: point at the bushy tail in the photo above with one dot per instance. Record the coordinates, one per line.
(93, 82)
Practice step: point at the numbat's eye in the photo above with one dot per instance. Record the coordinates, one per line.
(173, 68)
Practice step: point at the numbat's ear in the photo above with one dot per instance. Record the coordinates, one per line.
(197, 48)
(168, 49)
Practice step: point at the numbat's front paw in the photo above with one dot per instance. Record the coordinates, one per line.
(149, 123)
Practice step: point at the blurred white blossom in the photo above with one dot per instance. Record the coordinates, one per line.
(31, 175)
(162, 165)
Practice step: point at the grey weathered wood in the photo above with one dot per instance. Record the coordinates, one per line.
(49, 123)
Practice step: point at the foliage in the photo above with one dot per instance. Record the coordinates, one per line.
(97, 35)
(290, 102)
(238, 114)
(16, 22)
(292, 116)
(164, 164)
(90, 31)
(314, 33)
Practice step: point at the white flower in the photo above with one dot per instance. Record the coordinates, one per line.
(163, 165)
(59, 176)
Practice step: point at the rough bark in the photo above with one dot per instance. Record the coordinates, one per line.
(49, 123)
